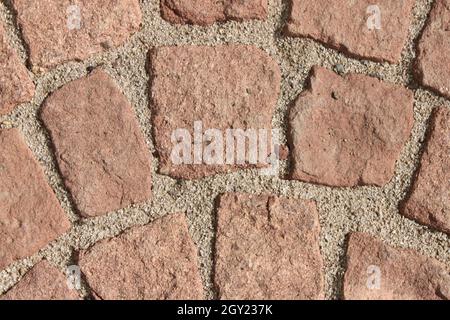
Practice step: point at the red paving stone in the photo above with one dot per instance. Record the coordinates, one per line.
(16, 86)
(30, 215)
(434, 50)
(157, 261)
(207, 12)
(267, 248)
(224, 87)
(348, 131)
(344, 25)
(57, 31)
(42, 282)
(429, 199)
(99, 147)
(376, 271)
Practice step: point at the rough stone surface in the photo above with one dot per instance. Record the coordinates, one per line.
(225, 87)
(206, 12)
(99, 147)
(157, 261)
(434, 50)
(16, 86)
(42, 282)
(58, 31)
(429, 199)
(344, 25)
(403, 274)
(348, 131)
(267, 248)
(367, 209)
(30, 215)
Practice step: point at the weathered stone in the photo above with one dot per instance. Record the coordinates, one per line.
(16, 86)
(206, 12)
(352, 26)
(348, 131)
(100, 149)
(376, 271)
(157, 261)
(30, 215)
(267, 248)
(42, 282)
(58, 31)
(434, 50)
(429, 200)
(224, 87)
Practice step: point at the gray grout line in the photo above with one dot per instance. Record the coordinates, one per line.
(342, 210)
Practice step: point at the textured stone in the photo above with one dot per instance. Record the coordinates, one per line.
(225, 87)
(376, 271)
(157, 261)
(348, 131)
(344, 25)
(100, 149)
(267, 248)
(16, 86)
(206, 12)
(434, 49)
(429, 199)
(58, 31)
(42, 282)
(30, 215)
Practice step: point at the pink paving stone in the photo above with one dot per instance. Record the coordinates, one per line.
(376, 271)
(58, 31)
(207, 12)
(100, 150)
(154, 262)
(42, 282)
(30, 215)
(344, 25)
(224, 87)
(16, 86)
(348, 131)
(267, 248)
(434, 50)
(429, 200)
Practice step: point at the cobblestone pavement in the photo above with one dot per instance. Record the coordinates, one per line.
(92, 92)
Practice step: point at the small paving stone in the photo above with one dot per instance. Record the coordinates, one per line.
(429, 200)
(267, 248)
(348, 131)
(42, 282)
(207, 12)
(16, 86)
(100, 150)
(154, 262)
(434, 49)
(223, 87)
(376, 271)
(58, 31)
(30, 215)
(352, 27)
